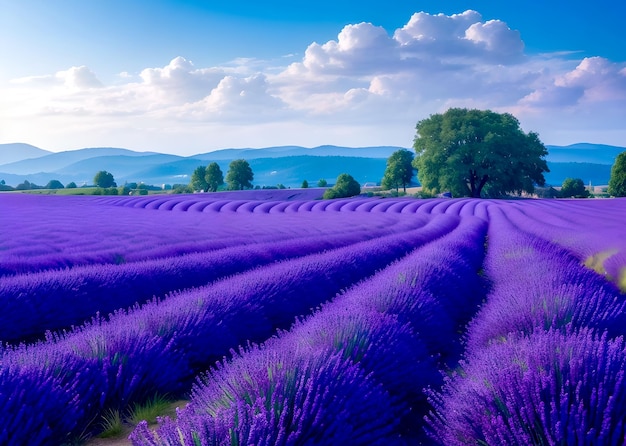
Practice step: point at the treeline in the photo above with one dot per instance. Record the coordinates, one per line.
(27, 185)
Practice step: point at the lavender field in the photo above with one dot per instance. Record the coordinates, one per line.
(288, 320)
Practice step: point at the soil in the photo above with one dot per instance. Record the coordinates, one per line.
(122, 439)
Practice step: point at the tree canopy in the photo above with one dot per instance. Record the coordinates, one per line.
(104, 179)
(617, 183)
(471, 152)
(239, 175)
(345, 186)
(399, 170)
(214, 177)
(198, 179)
(573, 187)
(54, 184)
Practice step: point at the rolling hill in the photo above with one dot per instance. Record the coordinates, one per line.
(287, 165)
(10, 153)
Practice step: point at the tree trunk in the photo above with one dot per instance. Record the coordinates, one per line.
(482, 183)
(476, 189)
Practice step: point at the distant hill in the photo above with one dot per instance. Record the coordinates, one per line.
(596, 174)
(289, 170)
(584, 153)
(52, 162)
(10, 153)
(287, 165)
(282, 151)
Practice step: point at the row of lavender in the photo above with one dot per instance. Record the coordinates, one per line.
(361, 362)
(545, 359)
(353, 372)
(47, 233)
(51, 391)
(48, 299)
(594, 232)
(34, 303)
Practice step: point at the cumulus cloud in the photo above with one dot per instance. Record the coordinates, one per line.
(237, 99)
(431, 57)
(180, 80)
(497, 39)
(367, 86)
(74, 77)
(360, 48)
(593, 80)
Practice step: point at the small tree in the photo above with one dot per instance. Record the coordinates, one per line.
(71, 185)
(104, 179)
(617, 183)
(26, 185)
(345, 186)
(214, 177)
(322, 183)
(305, 184)
(399, 170)
(573, 187)
(54, 184)
(198, 179)
(4, 187)
(239, 175)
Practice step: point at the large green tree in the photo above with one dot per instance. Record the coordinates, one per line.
(239, 175)
(198, 179)
(214, 177)
(104, 179)
(399, 170)
(345, 186)
(617, 183)
(477, 152)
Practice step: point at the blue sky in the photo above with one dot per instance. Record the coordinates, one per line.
(193, 76)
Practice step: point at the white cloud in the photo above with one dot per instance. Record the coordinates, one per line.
(74, 78)
(236, 99)
(180, 80)
(365, 87)
(498, 39)
(79, 77)
(594, 80)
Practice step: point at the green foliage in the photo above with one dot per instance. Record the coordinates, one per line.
(214, 177)
(573, 187)
(181, 189)
(345, 186)
(305, 184)
(54, 184)
(399, 170)
(239, 175)
(322, 183)
(25, 185)
(468, 152)
(150, 410)
(617, 183)
(104, 179)
(111, 424)
(198, 179)
(71, 185)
